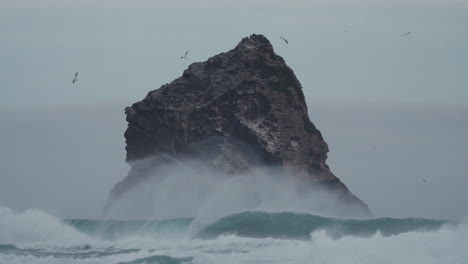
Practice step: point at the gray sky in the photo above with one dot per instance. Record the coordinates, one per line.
(122, 49)
(393, 109)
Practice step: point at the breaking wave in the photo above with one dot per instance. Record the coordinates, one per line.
(256, 225)
(36, 237)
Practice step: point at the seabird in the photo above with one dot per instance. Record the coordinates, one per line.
(76, 78)
(406, 34)
(185, 55)
(285, 40)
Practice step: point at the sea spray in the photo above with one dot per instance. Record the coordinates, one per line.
(212, 195)
(36, 226)
(246, 237)
(115, 229)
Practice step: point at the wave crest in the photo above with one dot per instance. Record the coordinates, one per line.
(300, 226)
(36, 226)
(285, 225)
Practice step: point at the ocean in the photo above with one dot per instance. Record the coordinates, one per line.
(35, 236)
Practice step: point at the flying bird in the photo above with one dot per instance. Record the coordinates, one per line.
(406, 34)
(185, 55)
(285, 40)
(76, 78)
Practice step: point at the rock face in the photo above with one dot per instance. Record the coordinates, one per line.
(239, 109)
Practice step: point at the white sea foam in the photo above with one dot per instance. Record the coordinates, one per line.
(34, 226)
(46, 233)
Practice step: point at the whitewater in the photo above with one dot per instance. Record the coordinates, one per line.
(35, 236)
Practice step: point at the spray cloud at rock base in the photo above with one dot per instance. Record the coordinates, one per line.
(232, 133)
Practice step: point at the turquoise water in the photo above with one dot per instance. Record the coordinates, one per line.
(256, 225)
(34, 236)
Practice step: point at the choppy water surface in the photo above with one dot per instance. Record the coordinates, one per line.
(34, 236)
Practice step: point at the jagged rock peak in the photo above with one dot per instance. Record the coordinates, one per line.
(238, 110)
(255, 45)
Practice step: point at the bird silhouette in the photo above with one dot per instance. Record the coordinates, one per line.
(185, 55)
(406, 34)
(285, 40)
(76, 78)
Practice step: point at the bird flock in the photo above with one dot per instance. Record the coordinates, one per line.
(185, 56)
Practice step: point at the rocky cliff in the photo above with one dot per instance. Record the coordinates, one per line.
(237, 110)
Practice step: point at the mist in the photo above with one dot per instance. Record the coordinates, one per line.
(392, 109)
(190, 188)
(65, 160)
(61, 159)
(402, 159)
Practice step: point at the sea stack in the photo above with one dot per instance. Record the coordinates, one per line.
(236, 111)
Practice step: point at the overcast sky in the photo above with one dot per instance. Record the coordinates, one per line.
(122, 49)
(393, 109)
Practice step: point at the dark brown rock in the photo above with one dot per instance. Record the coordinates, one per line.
(239, 109)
